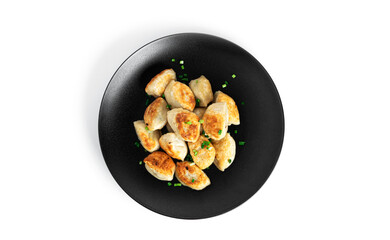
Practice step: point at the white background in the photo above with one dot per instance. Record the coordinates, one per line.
(330, 62)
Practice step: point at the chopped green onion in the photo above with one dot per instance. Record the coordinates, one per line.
(197, 102)
(235, 131)
(173, 60)
(226, 82)
(242, 103)
(185, 74)
(195, 152)
(168, 106)
(206, 136)
(177, 184)
(163, 96)
(147, 102)
(234, 76)
(220, 132)
(180, 76)
(241, 143)
(169, 184)
(201, 121)
(205, 143)
(184, 79)
(189, 122)
(223, 85)
(182, 67)
(140, 162)
(146, 128)
(196, 80)
(137, 144)
(230, 161)
(193, 180)
(181, 62)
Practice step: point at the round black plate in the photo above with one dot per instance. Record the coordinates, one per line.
(261, 113)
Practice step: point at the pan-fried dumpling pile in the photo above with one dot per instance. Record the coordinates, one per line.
(202, 90)
(225, 152)
(179, 95)
(157, 85)
(202, 130)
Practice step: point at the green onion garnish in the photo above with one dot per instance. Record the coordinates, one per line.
(226, 82)
(241, 143)
(196, 80)
(206, 136)
(136, 144)
(220, 132)
(189, 122)
(185, 75)
(195, 152)
(197, 102)
(235, 131)
(168, 106)
(182, 67)
(181, 62)
(205, 143)
(234, 76)
(173, 60)
(177, 184)
(146, 128)
(140, 162)
(169, 184)
(230, 161)
(147, 102)
(163, 96)
(201, 121)
(193, 180)
(242, 103)
(223, 85)
(184, 79)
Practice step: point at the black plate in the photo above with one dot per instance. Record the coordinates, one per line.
(261, 113)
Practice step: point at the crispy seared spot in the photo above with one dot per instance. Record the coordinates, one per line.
(184, 167)
(187, 131)
(152, 110)
(160, 160)
(149, 143)
(212, 124)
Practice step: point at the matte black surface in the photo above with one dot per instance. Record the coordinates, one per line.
(262, 124)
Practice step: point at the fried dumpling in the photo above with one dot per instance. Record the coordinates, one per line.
(202, 152)
(215, 120)
(234, 116)
(148, 139)
(157, 85)
(199, 111)
(201, 88)
(173, 146)
(191, 176)
(155, 115)
(184, 123)
(225, 152)
(160, 165)
(179, 95)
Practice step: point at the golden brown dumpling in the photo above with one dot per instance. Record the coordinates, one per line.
(160, 165)
(201, 88)
(215, 120)
(191, 176)
(234, 116)
(184, 123)
(179, 95)
(202, 152)
(155, 115)
(173, 146)
(225, 152)
(148, 139)
(157, 85)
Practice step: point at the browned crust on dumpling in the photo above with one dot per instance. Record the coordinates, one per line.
(215, 120)
(179, 95)
(161, 163)
(204, 156)
(189, 132)
(225, 149)
(234, 116)
(148, 139)
(155, 115)
(169, 143)
(185, 173)
(157, 85)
